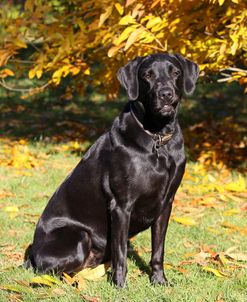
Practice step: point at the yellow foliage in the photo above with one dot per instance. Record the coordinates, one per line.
(17, 154)
(237, 186)
(211, 32)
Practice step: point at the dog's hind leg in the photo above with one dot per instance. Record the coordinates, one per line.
(65, 249)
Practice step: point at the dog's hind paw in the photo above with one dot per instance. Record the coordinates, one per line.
(159, 278)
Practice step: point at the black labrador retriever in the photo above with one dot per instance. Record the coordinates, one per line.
(126, 181)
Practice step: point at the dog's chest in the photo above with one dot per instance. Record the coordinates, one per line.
(151, 186)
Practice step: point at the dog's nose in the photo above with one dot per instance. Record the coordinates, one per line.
(165, 94)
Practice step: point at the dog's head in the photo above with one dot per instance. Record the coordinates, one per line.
(159, 81)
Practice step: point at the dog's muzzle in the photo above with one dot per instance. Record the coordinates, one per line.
(166, 94)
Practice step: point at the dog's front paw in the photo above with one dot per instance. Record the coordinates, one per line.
(119, 280)
(159, 278)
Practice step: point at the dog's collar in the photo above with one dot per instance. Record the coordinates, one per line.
(159, 139)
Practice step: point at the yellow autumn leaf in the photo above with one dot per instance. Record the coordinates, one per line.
(231, 212)
(20, 43)
(15, 288)
(124, 35)
(40, 280)
(87, 71)
(94, 273)
(237, 256)
(229, 225)
(50, 279)
(221, 2)
(69, 280)
(31, 73)
(185, 220)
(216, 272)
(145, 37)
(223, 197)
(152, 22)
(113, 50)
(119, 8)
(74, 70)
(135, 35)
(105, 16)
(7, 72)
(39, 73)
(56, 77)
(11, 209)
(81, 283)
(223, 260)
(157, 27)
(22, 141)
(126, 20)
(234, 48)
(168, 266)
(236, 186)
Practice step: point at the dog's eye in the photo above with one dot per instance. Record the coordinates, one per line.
(176, 73)
(147, 75)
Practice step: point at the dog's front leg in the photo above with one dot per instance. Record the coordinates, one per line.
(159, 228)
(158, 231)
(119, 236)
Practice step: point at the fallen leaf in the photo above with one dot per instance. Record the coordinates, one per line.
(201, 257)
(231, 212)
(90, 299)
(4, 194)
(94, 273)
(168, 266)
(81, 283)
(15, 288)
(222, 259)
(22, 283)
(58, 292)
(69, 280)
(182, 270)
(11, 209)
(214, 271)
(185, 220)
(43, 280)
(15, 297)
(236, 256)
(237, 186)
(188, 244)
(219, 298)
(229, 225)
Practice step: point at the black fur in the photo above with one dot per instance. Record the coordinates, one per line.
(127, 180)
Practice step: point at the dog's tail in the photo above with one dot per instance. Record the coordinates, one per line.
(28, 258)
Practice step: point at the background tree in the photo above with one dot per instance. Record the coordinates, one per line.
(89, 40)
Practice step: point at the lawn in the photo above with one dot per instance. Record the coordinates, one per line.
(43, 138)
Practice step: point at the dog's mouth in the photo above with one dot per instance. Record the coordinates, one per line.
(165, 110)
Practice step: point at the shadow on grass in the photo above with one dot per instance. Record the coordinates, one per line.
(140, 263)
(213, 121)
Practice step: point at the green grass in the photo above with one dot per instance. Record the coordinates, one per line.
(31, 195)
(47, 127)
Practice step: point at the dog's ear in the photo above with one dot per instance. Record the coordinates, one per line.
(190, 74)
(128, 78)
